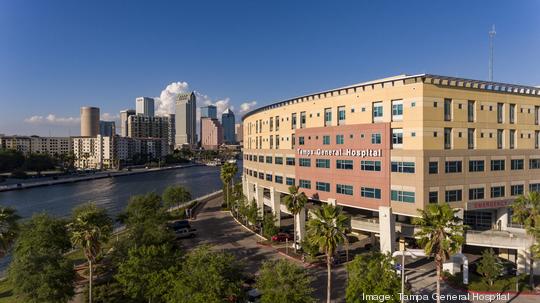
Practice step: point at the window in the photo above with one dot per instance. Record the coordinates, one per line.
(261, 176)
(377, 111)
(289, 161)
(402, 196)
(476, 165)
(304, 162)
(512, 119)
(397, 110)
(322, 186)
(433, 167)
(293, 140)
(512, 138)
(344, 164)
(470, 138)
(516, 164)
(536, 139)
(322, 163)
(341, 115)
(534, 187)
(500, 116)
(293, 121)
(278, 160)
(516, 190)
(497, 191)
(370, 165)
(301, 140)
(497, 165)
(470, 111)
(271, 141)
(433, 197)
(534, 163)
(277, 141)
(302, 119)
(397, 137)
(289, 181)
(403, 167)
(344, 189)
(326, 140)
(369, 192)
(454, 195)
(499, 138)
(339, 139)
(476, 193)
(269, 159)
(271, 123)
(304, 184)
(327, 116)
(447, 138)
(452, 167)
(261, 159)
(537, 115)
(447, 109)
(277, 124)
(278, 179)
(376, 138)
(269, 177)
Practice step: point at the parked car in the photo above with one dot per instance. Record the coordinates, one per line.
(282, 237)
(175, 225)
(253, 296)
(185, 233)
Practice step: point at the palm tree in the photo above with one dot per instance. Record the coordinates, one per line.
(526, 211)
(327, 230)
(175, 195)
(8, 228)
(295, 202)
(228, 171)
(441, 235)
(90, 228)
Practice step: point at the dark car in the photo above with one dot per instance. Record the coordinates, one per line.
(282, 237)
(180, 224)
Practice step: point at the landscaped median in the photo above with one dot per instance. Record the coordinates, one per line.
(502, 285)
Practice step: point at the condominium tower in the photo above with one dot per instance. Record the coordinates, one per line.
(186, 127)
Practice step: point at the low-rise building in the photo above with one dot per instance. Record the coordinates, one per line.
(35, 144)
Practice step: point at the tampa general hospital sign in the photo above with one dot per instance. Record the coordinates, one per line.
(347, 152)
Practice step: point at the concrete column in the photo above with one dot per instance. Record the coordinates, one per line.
(275, 199)
(387, 229)
(300, 223)
(249, 191)
(502, 219)
(523, 261)
(260, 198)
(460, 214)
(245, 185)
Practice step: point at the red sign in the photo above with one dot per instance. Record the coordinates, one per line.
(488, 204)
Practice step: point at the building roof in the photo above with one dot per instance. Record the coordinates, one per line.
(228, 111)
(425, 78)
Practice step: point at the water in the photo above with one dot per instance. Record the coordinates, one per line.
(110, 193)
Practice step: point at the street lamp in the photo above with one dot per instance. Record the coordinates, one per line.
(413, 253)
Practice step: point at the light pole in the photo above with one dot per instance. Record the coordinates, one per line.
(413, 253)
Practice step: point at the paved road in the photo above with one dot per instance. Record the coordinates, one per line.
(220, 230)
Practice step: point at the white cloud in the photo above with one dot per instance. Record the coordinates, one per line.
(247, 106)
(110, 117)
(165, 101)
(52, 119)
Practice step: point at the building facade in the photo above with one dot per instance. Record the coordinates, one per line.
(107, 128)
(211, 133)
(93, 152)
(144, 106)
(228, 122)
(239, 132)
(35, 144)
(124, 115)
(186, 120)
(89, 121)
(386, 148)
(209, 111)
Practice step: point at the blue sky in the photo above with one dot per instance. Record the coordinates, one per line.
(56, 56)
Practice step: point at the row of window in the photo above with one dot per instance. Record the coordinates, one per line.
(471, 111)
(376, 138)
(479, 165)
(471, 138)
(456, 195)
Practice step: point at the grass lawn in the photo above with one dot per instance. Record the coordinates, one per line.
(6, 293)
(507, 283)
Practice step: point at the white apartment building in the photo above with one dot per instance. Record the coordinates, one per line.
(35, 144)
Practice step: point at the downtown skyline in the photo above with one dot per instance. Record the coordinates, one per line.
(238, 53)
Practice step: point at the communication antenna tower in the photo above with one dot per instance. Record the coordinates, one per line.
(492, 34)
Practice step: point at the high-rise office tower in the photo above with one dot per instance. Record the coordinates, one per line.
(172, 130)
(107, 128)
(89, 121)
(145, 106)
(124, 115)
(186, 131)
(209, 111)
(211, 133)
(228, 121)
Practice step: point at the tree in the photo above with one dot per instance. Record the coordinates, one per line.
(252, 212)
(283, 281)
(8, 229)
(440, 234)
(295, 202)
(10, 160)
(207, 277)
(372, 273)
(90, 227)
(146, 220)
(489, 267)
(228, 171)
(143, 274)
(327, 230)
(526, 211)
(269, 225)
(39, 162)
(40, 272)
(174, 195)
